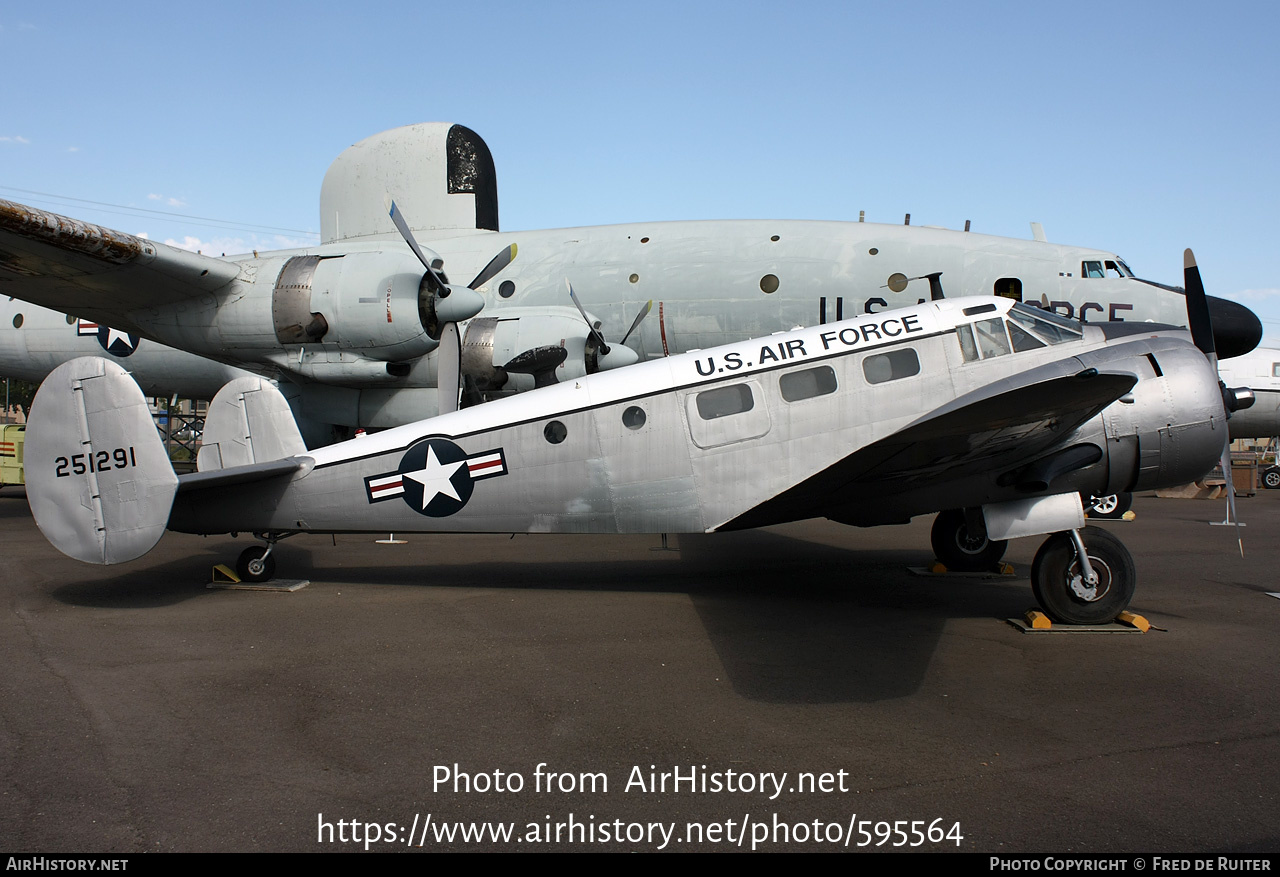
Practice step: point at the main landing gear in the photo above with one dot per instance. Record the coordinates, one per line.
(963, 546)
(1083, 576)
(1078, 576)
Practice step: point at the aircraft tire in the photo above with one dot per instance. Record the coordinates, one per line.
(1111, 506)
(1271, 478)
(957, 550)
(1055, 568)
(251, 566)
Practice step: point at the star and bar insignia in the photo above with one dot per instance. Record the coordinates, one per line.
(436, 477)
(114, 341)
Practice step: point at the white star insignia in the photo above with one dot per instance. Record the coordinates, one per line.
(114, 335)
(436, 478)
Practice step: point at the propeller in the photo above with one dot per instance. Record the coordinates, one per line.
(442, 306)
(1200, 323)
(607, 357)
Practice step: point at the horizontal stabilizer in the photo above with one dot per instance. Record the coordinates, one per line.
(99, 481)
(248, 422)
(239, 474)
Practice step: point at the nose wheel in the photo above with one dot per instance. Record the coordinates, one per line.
(255, 564)
(1092, 592)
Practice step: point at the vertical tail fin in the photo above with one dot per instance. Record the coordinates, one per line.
(248, 422)
(99, 481)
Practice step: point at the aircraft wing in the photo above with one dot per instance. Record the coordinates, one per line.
(987, 433)
(95, 272)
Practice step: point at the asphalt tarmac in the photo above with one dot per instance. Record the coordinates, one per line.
(142, 711)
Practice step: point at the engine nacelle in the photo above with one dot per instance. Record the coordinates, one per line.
(365, 302)
(492, 342)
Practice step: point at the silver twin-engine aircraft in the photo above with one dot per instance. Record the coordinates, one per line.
(997, 413)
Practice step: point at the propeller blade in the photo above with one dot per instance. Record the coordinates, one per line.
(496, 264)
(644, 312)
(600, 342)
(448, 366)
(1198, 319)
(403, 227)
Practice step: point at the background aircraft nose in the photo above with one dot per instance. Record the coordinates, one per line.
(1236, 329)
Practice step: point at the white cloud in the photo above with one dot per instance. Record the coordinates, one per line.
(14, 139)
(73, 149)
(236, 246)
(1258, 294)
(171, 202)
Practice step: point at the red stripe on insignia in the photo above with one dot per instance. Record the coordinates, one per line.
(381, 487)
(477, 467)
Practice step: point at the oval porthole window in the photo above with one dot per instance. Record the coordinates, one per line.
(506, 289)
(775, 238)
(769, 283)
(634, 278)
(898, 282)
(555, 432)
(17, 321)
(634, 417)
(71, 321)
(873, 251)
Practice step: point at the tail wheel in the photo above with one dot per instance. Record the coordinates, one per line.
(1060, 585)
(958, 549)
(255, 565)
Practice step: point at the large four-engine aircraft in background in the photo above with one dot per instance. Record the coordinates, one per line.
(367, 329)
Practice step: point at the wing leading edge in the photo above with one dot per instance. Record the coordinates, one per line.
(96, 272)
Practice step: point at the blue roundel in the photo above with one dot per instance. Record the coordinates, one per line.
(436, 480)
(117, 343)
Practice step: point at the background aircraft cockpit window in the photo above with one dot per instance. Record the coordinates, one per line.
(1275, 369)
(723, 401)
(807, 383)
(1114, 269)
(1091, 269)
(968, 346)
(1127, 271)
(992, 340)
(1046, 325)
(891, 366)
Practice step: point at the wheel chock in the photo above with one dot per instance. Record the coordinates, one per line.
(1037, 620)
(1129, 516)
(1133, 620)
(225, 575)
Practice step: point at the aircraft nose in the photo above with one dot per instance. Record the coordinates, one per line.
(1236, 329)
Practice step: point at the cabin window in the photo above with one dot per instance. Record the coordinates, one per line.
(992, 340)
(555, 432)
(808, 383)
(634, 417)
(17, 321)
(891, 366)
(723, 401)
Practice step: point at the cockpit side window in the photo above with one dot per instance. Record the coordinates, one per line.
(1091, 269)
(968, 346)
(992, 340)
(1045, 325)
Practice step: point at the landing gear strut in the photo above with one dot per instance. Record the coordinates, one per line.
(1083, 577)
(962, 547)
(257, 563)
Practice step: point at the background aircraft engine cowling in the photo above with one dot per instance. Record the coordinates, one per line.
(375, 309)
(491, 343)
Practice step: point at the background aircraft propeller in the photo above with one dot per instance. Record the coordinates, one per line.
(442, 306)
(607, 357)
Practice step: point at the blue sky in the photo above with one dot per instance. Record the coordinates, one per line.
(1138, 127)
